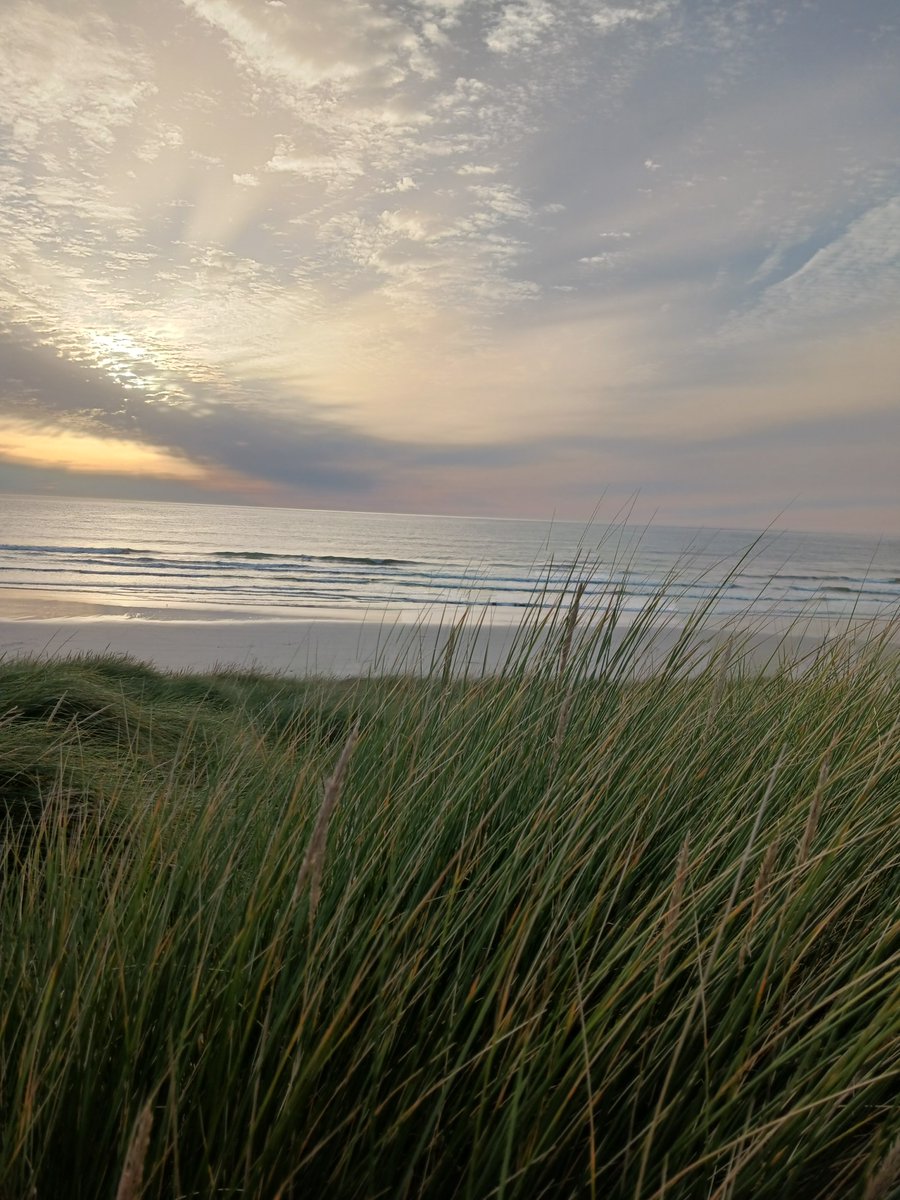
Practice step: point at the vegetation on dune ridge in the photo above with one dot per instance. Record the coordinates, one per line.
(561, 932)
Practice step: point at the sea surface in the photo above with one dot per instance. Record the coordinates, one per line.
(204, 562)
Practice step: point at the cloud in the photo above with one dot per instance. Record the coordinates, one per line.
(72, 416)
(337, 171)
(28, 444)
(162, 136)
(404, 184)
(520, 26)
(382, 247)
(262, 45)
(615, 17)
(857, 272)
(64, 77)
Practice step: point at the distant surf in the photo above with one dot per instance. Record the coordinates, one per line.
(256, 563)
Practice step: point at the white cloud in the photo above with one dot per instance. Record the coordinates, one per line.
(164, 136)
(611, 17)
(336, 171)
(247, 179)
(503, 200)
(855, 273)
(63, 77)
(433, 33)
(406, 225)
(263, 48)
(521, 25)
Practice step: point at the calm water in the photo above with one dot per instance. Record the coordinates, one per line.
(202, 561)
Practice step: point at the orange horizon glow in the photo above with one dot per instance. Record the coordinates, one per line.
(26, 444)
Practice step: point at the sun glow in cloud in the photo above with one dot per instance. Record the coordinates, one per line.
(23, 443)
(359, 253)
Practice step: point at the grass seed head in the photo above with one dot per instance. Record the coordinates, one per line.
(674, 910)
(880, 1185)
(132, 1177)
(314, 859)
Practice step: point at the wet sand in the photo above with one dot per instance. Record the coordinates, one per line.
(53, 625)
(43, 625)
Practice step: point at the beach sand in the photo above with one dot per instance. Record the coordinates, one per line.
(26, 603)
(293, 648)
(42, 626)
(37, 624)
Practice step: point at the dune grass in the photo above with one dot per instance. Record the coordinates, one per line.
(566, 931)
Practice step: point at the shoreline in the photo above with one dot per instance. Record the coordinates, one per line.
(342, 644)
(351, 647)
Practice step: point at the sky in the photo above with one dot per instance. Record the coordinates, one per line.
(499, 257)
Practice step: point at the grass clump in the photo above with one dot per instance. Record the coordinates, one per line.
(563, 931)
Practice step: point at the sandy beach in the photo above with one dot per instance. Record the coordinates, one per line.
(284, 647)
(35, 624)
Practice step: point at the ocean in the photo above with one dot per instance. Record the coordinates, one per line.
(241, 563)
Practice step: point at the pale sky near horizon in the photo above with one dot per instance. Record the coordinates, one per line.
(504, 257)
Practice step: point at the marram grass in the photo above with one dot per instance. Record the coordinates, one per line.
(568, 931)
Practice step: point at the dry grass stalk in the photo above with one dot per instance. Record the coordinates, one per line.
(450, 652)
(314, 858)
(880, 1185)
(569, 629)
(132, 1177)
(815, 809)
(760, 895)
(673, 911)
(562, 722)
(718, 690)
(763, 879)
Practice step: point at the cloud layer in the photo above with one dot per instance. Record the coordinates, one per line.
(462, 255)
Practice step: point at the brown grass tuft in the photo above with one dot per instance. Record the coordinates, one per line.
(132, 1177)
(314, 858)
(880, 1185)
(673, 911)
(760, 895)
